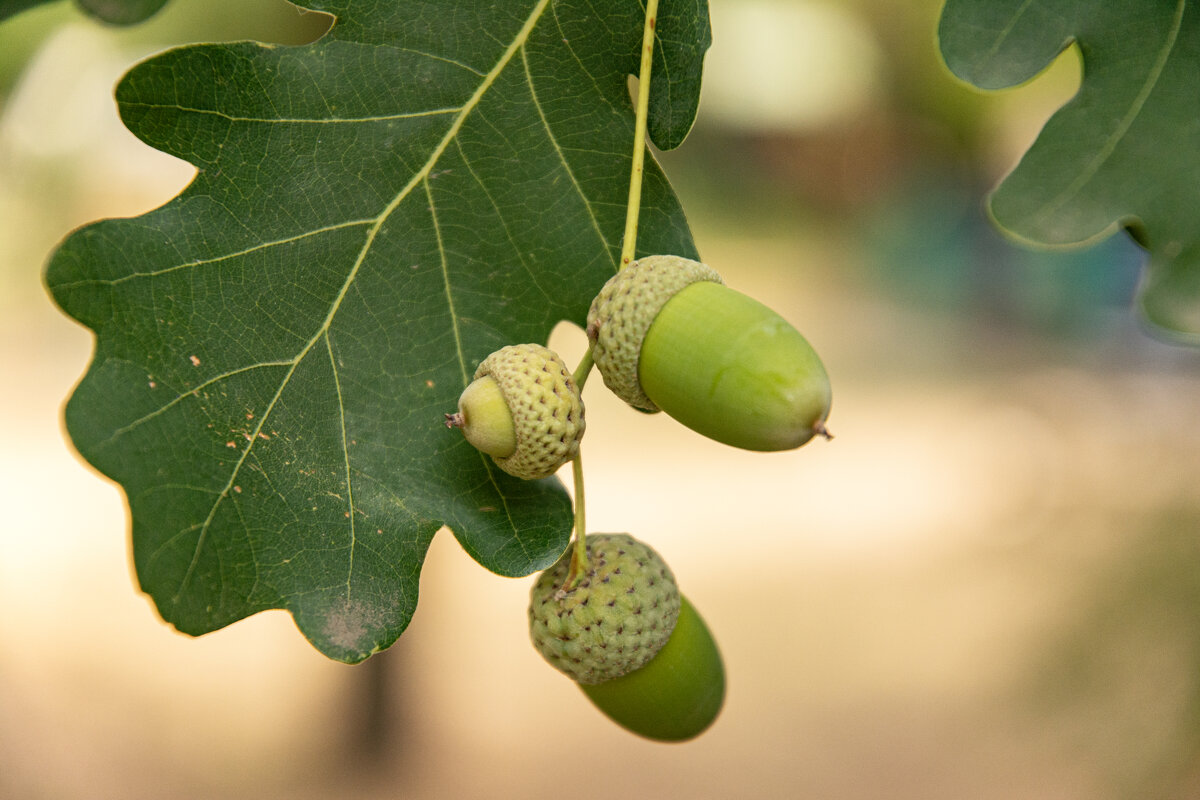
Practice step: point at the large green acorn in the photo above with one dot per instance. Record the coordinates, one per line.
(632, 642)
(668, 335)
(524, 410)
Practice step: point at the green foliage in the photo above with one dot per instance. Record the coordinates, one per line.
(115, 12)
(373, 214)
(1124, 152)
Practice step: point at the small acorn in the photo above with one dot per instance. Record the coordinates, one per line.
(636, 646)
(524, 410)
(668, 335)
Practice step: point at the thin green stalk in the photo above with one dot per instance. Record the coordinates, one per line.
(629, 245)
(584, 369)
(579, 558)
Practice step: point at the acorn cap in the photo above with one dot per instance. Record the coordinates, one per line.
(615, 620)
(623, 311)
(546, 408)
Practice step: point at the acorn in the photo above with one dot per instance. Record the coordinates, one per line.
(636, 646)
(667, 334)
(524, 410)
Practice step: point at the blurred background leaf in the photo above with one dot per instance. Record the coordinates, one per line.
(1121, 153)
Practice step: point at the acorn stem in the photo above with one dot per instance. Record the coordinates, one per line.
(579, 558)
(584, 369)
(629, 245)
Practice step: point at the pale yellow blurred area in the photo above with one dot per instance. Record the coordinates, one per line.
(987, 585)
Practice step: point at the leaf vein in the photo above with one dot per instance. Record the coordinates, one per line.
(1005, 32)
(252, 439)
(215, 259)
(337, 387)
(443, 59)
(446, 285)
(433, 112)
(194, 391)
(561, 156)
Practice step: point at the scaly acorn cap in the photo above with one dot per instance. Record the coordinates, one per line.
(617, 618)
(538, 426)
(623, 311)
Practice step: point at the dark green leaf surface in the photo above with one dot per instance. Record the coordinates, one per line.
(276, 347)
(1125, 151)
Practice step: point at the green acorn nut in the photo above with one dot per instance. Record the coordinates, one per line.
(668, 335)
(634, 644)
(524, 410)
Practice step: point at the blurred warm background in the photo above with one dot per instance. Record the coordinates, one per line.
(987, 586)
